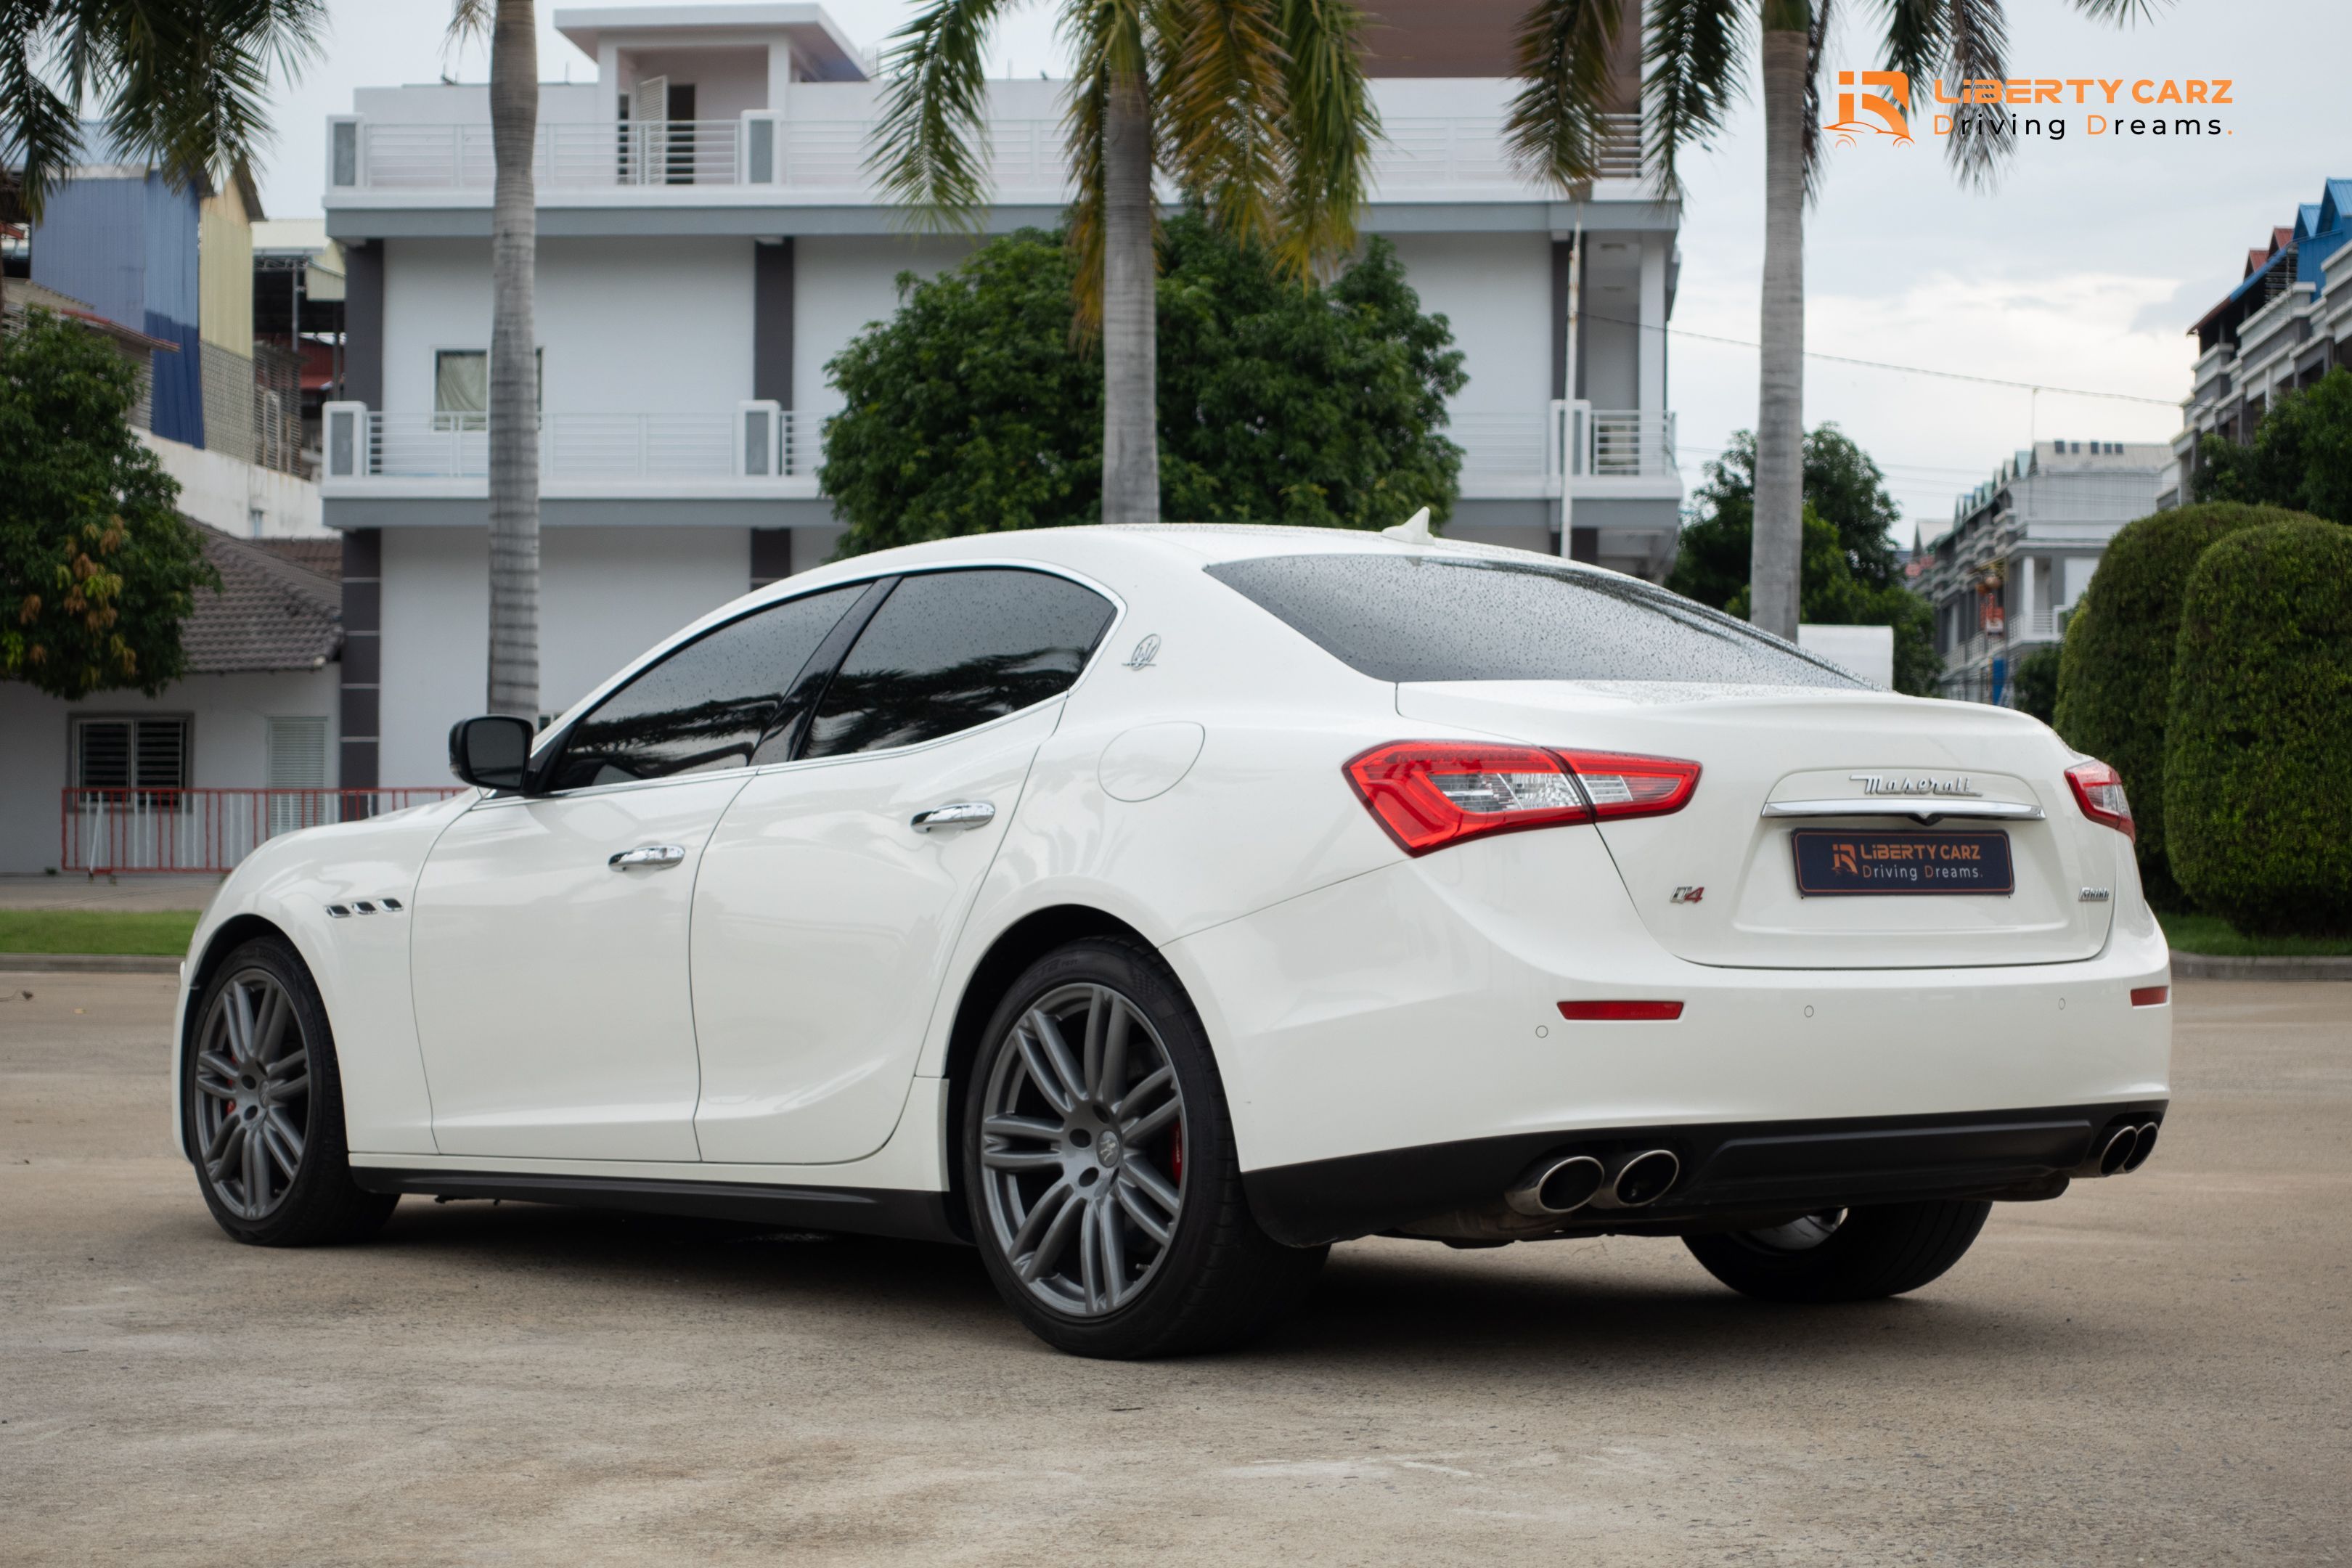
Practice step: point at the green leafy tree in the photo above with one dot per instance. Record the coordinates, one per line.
(1258, 108)
(1850, 575)
(2036, 682)
(1835, 596)
(2260, 730)
(973, 409)
(2300, 455)
(97, 567)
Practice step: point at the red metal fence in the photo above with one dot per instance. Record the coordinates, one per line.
(111, 830)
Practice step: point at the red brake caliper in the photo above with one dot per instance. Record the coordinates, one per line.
(1176, 1153)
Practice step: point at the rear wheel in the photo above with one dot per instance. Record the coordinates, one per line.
(1098, 1158)
(1843, 1255)
(264, 1104)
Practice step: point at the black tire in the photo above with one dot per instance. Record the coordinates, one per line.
(1218, 1279)
(1883, 1250)
(320, 1204)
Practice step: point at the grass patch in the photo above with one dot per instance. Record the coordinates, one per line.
(2213, 934)
(161, 931)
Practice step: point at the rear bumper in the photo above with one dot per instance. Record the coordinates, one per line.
(1417, 1007)
(1731, 1171)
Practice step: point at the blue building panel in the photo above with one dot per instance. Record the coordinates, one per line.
(125, 245)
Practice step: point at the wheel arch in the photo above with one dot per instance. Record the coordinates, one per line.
(231, 934)
(1016, 947)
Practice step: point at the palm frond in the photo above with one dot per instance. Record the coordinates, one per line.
(1107, 38)
(469, 20)
(1218, 101)
(1977, 41)
(1327, 132)
(1558, 124)
(929, 151)
(2123, 13)
(1814, 36)
(37, 130)
(1918, 34)
(1695, 54)
(190, 84)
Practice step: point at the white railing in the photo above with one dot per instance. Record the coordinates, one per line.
(569, 155)
(110, 830)
(756, 440)
(1590, 443)
(1427, 153)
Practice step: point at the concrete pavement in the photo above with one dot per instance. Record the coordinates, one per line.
(2152, 1370)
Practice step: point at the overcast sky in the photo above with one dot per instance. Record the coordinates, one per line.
(2084, 268)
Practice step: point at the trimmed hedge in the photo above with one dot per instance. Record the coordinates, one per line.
(2259, 742)
(2115, 674)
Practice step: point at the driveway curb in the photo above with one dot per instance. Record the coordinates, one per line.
(88, 963)
(2210, 966)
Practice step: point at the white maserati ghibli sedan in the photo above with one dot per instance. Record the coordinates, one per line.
(1151, 908)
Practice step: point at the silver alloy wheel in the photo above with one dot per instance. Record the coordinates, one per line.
(252, 1094)
(1801, 1234)
(1082, 1149)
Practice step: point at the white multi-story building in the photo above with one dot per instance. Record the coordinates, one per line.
(2287, 324)
(709, 239)
(2022, 548)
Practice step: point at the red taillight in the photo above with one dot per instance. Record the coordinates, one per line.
(2099, 791)
(1430, 794)
(2151, 995)
(1619, 1012)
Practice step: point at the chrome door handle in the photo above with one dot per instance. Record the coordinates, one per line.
(647, 855)
(962, 814)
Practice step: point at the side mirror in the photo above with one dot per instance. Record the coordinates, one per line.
(491, 751)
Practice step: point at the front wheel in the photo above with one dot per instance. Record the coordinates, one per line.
(1843, 1255)
(1098, 1158)
(263, 1101)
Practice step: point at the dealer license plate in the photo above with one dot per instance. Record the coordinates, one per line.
(1832, 861)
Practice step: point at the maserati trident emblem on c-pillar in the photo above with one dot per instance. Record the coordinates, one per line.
(1145, 652)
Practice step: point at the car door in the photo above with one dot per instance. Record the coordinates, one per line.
(832, 893)
(548, 950)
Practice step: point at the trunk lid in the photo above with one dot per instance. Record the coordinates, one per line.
(1776, 761)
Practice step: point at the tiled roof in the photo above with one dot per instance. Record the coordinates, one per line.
(324, 556)
(272, 613)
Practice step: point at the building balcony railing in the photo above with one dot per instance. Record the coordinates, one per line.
(1426, 157)
(774, 450)
(770, 449)
(104, 831)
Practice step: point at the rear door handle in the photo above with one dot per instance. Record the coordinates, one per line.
(962, 814)
(647, 855)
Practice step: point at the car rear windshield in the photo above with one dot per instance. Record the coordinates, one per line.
(1422, 618)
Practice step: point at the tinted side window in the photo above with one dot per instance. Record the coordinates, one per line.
(949, 651)
(706, 705)
(1425, 618)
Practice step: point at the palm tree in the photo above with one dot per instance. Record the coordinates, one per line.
(1695, 54)
(513, 32)
(185, 86)
(1257, 109)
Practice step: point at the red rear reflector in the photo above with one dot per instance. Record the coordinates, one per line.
(2099, 791)
(1619, 1012)
(2150, 995)
(1430, 794)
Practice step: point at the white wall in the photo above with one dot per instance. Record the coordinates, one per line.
(626, 325)
(842, 285)
(444, 103)
(606, 595)
(228, 492)
(229, 732)
(1495, 290)
(726, 81)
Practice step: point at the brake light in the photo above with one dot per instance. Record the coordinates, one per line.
(1431, 793)
(2099, 791)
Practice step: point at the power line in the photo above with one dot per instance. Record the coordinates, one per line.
(1905, 369)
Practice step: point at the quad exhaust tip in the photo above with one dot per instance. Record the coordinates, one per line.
(2143, 1145)
(1565, 1184)
(2114, 1154)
